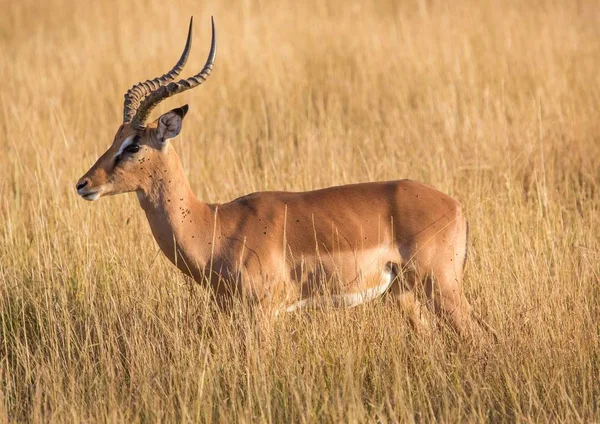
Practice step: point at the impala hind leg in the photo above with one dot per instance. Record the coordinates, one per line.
(446, 298)
(414, 310)
(403, 293)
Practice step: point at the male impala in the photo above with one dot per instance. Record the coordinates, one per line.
(281, 250)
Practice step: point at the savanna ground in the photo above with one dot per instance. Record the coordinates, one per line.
(495, 103)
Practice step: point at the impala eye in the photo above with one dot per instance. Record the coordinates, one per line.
(132, 148)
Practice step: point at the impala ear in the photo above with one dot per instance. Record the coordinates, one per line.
(169, 124)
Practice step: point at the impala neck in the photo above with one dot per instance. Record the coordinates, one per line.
(179, 221)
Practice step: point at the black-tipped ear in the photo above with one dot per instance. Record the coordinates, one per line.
(181, 111)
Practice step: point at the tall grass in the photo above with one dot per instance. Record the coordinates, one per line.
(495, 103)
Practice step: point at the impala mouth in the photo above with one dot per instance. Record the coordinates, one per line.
(90, 195)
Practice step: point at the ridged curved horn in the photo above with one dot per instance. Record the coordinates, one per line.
(136, 94)
(160, 93)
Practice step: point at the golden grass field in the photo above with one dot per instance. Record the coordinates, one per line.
(494, 103)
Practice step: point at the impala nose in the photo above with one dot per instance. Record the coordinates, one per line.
(81, 185)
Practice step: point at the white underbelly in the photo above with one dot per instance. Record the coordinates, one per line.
(346, 300)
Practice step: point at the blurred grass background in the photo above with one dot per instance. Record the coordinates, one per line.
(495, 103)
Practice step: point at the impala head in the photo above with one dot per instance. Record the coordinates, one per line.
(138, 146)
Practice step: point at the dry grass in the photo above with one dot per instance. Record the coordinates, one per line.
(496, 103)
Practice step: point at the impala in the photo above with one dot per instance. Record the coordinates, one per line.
(282, 251)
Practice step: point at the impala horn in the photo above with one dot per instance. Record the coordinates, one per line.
(145, 96)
